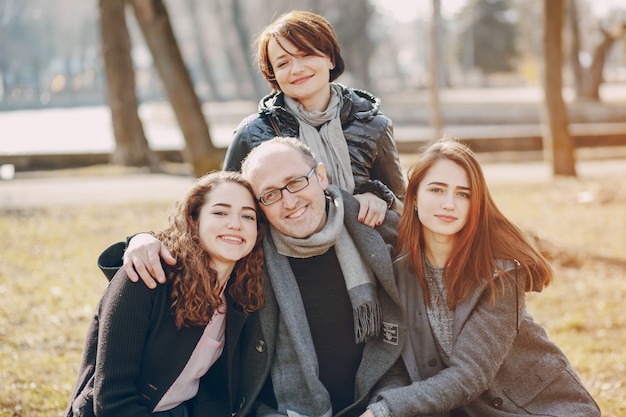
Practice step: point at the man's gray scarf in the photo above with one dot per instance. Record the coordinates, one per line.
(295, 375)
(328, 143)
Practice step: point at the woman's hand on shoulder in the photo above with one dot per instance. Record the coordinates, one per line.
(372, 210)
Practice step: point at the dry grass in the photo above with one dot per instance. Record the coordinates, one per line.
(581, 226)
(49, 285)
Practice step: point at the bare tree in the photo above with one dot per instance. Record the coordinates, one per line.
(131, 145)
(238, 70)
(433, 69)
(155, 25)
(351, 21)
(558, 143)
(574, 49)
(588, 79)
(244, 37)
(204, 61)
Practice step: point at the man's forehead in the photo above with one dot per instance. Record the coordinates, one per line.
(276, 167)
(266, 151)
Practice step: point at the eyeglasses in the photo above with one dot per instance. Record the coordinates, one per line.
(293, 186)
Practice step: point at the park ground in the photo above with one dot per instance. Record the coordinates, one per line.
(54, 224)
(57, 224)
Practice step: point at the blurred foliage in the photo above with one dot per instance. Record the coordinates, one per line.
(51, 53)
(490, 37)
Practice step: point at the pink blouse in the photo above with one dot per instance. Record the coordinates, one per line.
(205, 354)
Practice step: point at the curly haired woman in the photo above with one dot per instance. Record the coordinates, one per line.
(154, 351)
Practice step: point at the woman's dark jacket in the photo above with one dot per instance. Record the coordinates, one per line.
(145, 352)
(368, 133)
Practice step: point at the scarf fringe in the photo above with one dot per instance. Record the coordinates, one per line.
(367, 321)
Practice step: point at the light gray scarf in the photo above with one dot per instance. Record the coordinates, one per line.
(295, 373)
(328, 143)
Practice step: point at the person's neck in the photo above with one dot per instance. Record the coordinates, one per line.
(223, 273)
(437, 250)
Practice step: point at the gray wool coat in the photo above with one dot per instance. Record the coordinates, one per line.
(502, 362)
(381, 366)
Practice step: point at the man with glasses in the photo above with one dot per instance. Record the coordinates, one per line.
(331, 331)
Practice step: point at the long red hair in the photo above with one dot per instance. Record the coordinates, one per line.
(195, 290)
(488, 235)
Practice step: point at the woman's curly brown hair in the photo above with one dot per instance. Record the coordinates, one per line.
(195, 290)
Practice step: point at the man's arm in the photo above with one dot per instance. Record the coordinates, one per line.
(141, 258)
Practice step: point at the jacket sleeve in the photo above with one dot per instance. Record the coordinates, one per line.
(120, 346)
(477, 354)
(389, 229)
(239, 147)
(380, 190)
(396, 377)
(386, 167)
(110, 260)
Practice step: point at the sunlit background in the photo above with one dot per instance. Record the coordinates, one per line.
(50, 52)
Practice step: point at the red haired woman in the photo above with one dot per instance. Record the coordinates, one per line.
(473, 349)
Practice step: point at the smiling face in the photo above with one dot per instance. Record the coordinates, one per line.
(298, 214)
(305, 77)
(443, 200)
(227, 225)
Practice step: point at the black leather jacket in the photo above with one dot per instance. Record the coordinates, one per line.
(367, 131)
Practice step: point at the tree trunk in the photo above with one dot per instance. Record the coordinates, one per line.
(558, 144)
(241, 29)
(154, 22)
(131, 145)
(433, 69)
(588, 80)
(198, 22)
(596, 70)
(574, 54)
(351, 27)
(239, 78)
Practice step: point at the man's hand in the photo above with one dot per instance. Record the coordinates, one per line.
(142, 259)
(372, 209)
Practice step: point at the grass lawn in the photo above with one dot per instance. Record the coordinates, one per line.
(49, 285)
